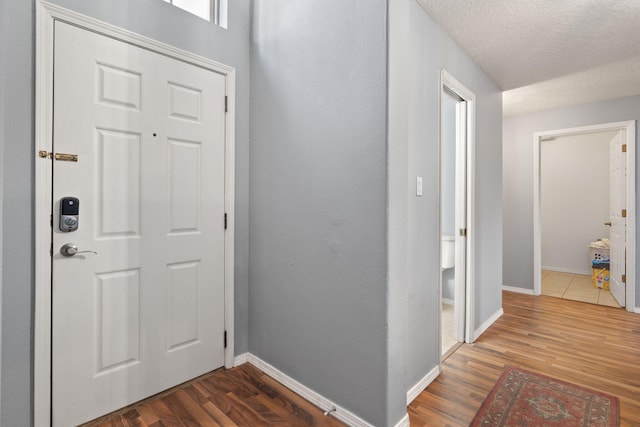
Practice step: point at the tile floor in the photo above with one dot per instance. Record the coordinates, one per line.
(577, 287)
(447, 328)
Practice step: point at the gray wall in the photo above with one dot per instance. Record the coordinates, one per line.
(17, 230)
(518, 176)
(3, 37)
(397, 206)
(318, 199)
(431, 49)
(152, 18)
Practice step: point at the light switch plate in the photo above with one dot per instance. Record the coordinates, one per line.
(419, 186)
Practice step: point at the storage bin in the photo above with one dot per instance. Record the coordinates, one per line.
(600, 278)
(600, 274)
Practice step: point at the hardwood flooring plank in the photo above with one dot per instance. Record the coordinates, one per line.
(164, 414)
(195, 409)
(148, 415)
(132, 419)
(217, 414)
(290, 402)
(234, 408)
(300, 404)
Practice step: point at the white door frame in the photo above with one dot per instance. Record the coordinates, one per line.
(453, 85)
(630, 130)
(46, 15)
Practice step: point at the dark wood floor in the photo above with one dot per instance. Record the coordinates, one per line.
(590, 345)
(586, 344)
(242, 396)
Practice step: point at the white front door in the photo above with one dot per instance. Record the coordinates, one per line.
(145, 312)
(617, 202)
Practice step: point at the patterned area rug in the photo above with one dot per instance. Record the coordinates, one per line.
(525, 399)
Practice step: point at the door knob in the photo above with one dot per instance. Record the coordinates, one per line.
(70, 249)
(608, 223)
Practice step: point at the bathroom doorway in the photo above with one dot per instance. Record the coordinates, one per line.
(456, 133)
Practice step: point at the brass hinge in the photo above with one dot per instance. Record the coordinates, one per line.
(225, 339)
(463, 232)
(624, 213)
(624, 148)
(44, 154)
(624, 278)
(226, 103)
(225, 220)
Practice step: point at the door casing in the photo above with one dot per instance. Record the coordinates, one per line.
(453, 85)
(630, 134)
(46, 14)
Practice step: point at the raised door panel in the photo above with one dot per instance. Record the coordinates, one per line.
(185, 202)
(118, 181)
(183, 281)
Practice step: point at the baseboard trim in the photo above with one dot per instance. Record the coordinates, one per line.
(448, 301)
(487, 323)
(422, 384)
(566, 270)
(241, 359)
(404, 422)
(518, 290)
(317, 399)
(637, 310)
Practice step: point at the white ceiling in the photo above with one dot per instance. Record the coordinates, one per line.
(548, 53)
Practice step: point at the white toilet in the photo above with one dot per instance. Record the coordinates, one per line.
(448, 252)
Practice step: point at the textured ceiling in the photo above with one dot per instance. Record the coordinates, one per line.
(548, 53)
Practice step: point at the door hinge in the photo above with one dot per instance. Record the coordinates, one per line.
(225, 339)
(624, 213)
(624, 148)
(226, 103)
(624, 278)
(225, 220)
(463, 232)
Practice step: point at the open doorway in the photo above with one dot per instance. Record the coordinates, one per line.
(456, 135)
(584, 199)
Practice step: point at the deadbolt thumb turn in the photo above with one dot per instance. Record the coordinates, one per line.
(70, 249)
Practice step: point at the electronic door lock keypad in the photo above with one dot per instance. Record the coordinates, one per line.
(69, 211)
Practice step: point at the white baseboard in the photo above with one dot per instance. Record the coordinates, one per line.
(637, 310)
(422, 384)
(317, 399)
(241, 359)
(404, 422)
(567, 270)
(518, 290)
(447, 301)
(490, 321)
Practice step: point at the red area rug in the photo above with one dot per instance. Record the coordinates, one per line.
(526, 399)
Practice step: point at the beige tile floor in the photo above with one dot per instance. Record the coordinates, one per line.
(577, 287)
(447, 328)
